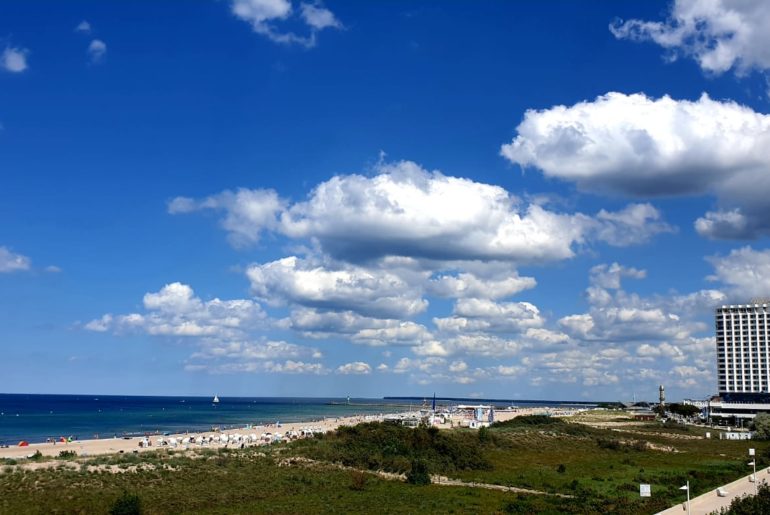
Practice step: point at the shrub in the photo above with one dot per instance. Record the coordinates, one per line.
(358, 480)
(67, 455)
(749, 505)
(418, 475)
(609, 443)
(561, 469)
(761, 425)
(127, 504)
(484, 435)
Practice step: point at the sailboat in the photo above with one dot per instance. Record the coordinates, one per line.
(216, 400)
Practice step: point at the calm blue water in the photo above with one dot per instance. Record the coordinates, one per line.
(38, 417)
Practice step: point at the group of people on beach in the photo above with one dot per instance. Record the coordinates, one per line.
(61, 439)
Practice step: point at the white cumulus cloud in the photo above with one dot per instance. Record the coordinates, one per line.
(357, 367)
(466, 284)
(640, 146)
(265, 15)
(175, 310)
(719, 34)
(248, 212)
(378, 293)
(745, 272)
(406, 211)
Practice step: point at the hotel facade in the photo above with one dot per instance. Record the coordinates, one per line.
(743, 362)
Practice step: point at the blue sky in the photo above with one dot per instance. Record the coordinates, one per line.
(265, 197)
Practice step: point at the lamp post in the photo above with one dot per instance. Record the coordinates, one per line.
(687, 487)
(753, 463)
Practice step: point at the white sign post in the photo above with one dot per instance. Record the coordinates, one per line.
(751, 452)
(644, 490)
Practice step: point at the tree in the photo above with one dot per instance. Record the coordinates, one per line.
(419, 474)
(761, 425)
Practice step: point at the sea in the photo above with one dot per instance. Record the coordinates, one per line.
(36, 418)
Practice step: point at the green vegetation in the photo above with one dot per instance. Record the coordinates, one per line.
(127, 504)
(418, 474)
(235, 483)
(67, 455)
(750, 505)
(761, 425)
(395, 448)
(598, 468)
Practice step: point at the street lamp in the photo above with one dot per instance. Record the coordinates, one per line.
(687, 487)
(753, 463)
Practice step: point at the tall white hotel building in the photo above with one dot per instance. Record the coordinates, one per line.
(743, 361)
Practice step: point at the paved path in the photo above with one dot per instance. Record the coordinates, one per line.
(710, 501)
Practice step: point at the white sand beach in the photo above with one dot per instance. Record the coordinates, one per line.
(132, 444)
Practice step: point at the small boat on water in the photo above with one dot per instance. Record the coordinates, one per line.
(216, 400)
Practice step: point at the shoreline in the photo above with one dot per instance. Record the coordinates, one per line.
(131, 444)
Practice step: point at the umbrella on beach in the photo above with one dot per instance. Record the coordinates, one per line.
(24, 443)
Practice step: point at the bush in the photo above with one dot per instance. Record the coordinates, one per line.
(358, 480)
(67, 455)
(749, 505)
(561, 469)
(761, 425)
(127, 504)
(609, 443)
(419, 474)
(484, 436)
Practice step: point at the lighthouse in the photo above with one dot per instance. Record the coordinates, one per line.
(662, 392)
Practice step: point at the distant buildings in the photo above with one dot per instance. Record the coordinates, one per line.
(743, 362)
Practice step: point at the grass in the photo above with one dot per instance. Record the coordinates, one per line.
(236, 483)
(604, 464)
(602, 469)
